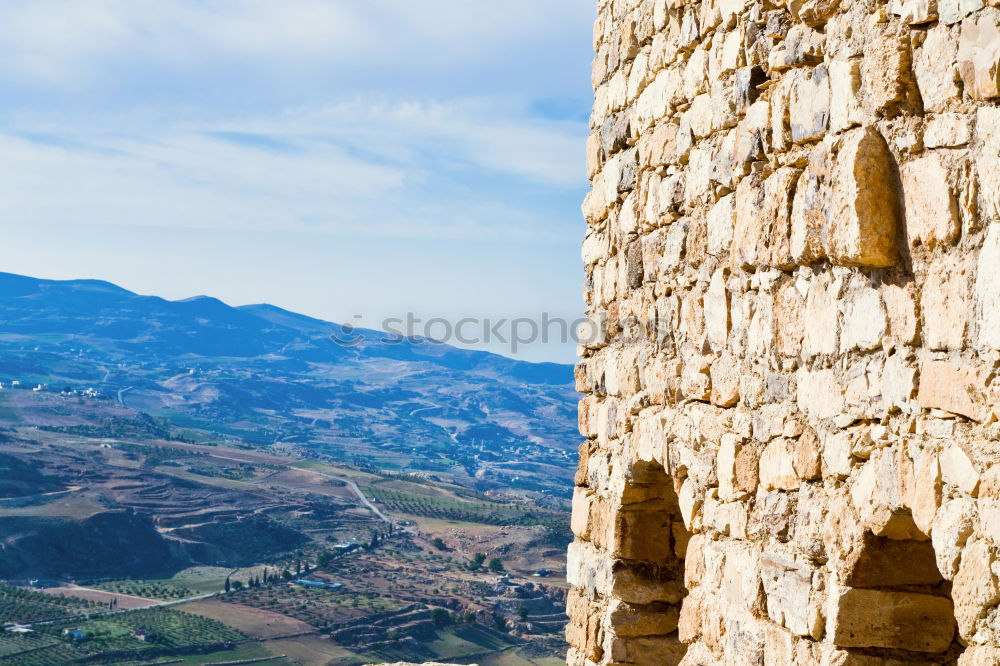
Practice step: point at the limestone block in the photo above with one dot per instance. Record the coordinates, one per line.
(953, 388)
(699, 116)
(580, 523)
(723, 101)
(837, 453)
(813, 12)
(952, 527)
(876, 618)
(690, 502)
(819, 394)
(638, 76)
(716, 307)
(915, 12)
(810, 208)
(822, 320)
(878, 495)
(898, 383)
(753, 136)
(789, 325)
(777, 466)
(934, 65)
(809, 104)
(803, 46)
(947, 130)
(655, 100)
(889, 88)
(958, 470)
(666, 650)
(987, 159)
(901, 309)
(845, 101)
(975, 588)
(658, 148)
(696, 378)
(760, 332)
(863, 319)
(749, 230)
(779, 189)
(987, 289)
(741, 583)
(787, 586)
(979, 54)
(863, 203)
(930, 206)
(979, 655)
(953, 11)
(807, 456)
(943, 303)
(926, 496)
(725, 380)
(721, 221)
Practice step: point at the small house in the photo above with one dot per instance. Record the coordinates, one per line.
(74, 634)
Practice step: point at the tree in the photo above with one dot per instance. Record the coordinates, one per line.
(522, 612)
(228, 586)
(324, 558)
(495, 565)
(238, 585)
(438, 543)
(287, 575)
(440, 617)
(477, 561)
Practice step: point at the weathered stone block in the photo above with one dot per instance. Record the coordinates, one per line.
(935, 67)
(979, 54)
(944, 303)
(809, 105)
(876, 618)
(931, 209)
(953, 388)
(788, 586)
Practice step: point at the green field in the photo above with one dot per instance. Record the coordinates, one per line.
(150, 589)
(19, 606)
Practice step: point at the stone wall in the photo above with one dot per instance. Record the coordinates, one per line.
(791, 406)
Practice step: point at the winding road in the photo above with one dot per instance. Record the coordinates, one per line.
(364, 500)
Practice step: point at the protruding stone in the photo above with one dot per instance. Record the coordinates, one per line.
(863, 207)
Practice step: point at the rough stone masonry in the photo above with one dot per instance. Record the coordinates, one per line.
(792, 449)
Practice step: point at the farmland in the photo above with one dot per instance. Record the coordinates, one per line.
(20, 606)
(163, 520)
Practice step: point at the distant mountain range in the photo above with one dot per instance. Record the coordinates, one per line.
(273, 377)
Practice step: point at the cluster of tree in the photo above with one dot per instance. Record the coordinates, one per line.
(266, 578)
(495, 564)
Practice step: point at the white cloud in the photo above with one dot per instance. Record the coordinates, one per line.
(77, 45)
(412, 169)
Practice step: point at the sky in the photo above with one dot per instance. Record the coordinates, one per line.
(353, 160)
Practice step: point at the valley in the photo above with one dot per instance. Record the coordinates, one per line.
(272, 508)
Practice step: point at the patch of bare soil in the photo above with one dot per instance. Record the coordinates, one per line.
(256, 622)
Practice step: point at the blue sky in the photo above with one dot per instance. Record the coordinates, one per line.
(334, 157)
